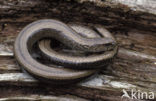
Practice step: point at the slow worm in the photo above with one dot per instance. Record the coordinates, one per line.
(55, 29)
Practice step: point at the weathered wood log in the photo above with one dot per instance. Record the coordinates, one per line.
(134, 67)
(131, 69)
(136, 5)
(115, 14)
(43, 98)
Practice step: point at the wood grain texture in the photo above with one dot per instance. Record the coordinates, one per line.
(133, 23)
(131, 69)
(136, 5)
(43, 98)
(113, 16)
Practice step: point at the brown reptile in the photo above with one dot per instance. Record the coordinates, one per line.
(66, 35)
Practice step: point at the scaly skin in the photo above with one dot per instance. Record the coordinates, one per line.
(58, 30)
(79, 62)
